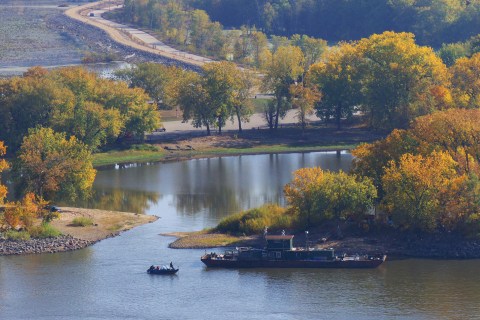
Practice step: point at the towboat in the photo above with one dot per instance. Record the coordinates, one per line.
(280, 253)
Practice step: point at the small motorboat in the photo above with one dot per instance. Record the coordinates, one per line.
(162, 270)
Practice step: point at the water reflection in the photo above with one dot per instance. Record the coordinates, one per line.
(110, 277)
(213, 187)
(118, 199)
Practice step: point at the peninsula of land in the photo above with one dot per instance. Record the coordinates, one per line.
(106, 224)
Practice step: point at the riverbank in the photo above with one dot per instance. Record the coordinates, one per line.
(394, 244)
(184, 145)
(106, 224)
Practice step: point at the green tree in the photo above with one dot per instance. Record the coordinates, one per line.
(193, 100)
(318, 195)
(281, 69)
(450, 52)
(50, 165)
(339, 80)
(154, 78)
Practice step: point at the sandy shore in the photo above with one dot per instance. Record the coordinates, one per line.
(106, 224)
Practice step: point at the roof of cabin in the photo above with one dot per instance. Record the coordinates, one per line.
(289, 237)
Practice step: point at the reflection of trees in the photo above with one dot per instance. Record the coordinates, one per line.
(216, 202)
(117, 199)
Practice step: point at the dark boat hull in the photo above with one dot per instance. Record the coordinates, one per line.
(354, 264)
(162, 271)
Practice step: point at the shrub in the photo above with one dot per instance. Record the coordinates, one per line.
(16, 235)
(82, 222)
(254, 221)
(44, 230)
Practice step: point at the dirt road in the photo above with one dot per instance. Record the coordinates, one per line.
(91, 14)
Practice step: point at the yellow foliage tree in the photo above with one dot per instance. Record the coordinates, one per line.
(466, 81)
(48, 164)
(399, 78)
(304, 99)
(419, 189)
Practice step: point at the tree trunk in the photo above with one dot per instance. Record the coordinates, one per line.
(208, 129)
(279, 105)
(338, 116)
(239, 119)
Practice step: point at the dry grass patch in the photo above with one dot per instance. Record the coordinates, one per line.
(105, 222)
(203, 239)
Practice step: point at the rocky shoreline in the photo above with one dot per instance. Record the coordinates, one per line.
(47, 245)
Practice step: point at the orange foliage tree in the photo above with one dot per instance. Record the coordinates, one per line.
(3, 166)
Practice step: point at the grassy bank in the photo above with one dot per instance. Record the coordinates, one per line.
(190, 145)
(140, 156)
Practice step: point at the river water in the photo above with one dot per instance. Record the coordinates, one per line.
(108, 280)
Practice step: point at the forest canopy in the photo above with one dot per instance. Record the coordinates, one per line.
(432, 21)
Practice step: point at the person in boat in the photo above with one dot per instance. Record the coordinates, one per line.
(151, 267)
(171, 265)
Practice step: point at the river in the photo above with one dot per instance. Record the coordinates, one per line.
(108, 280)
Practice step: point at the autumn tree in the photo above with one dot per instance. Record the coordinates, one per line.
(155, 78)
(371, 159)
(466, 82)
(304, 99)
(398, 79)
(454, 131)
(245, 81)
(28, 101)
(220, 80)
(312, 48)
(418, 189)
(318, 195)
(193, 100)
(339, 80)
(3, 166)
(281, 69)
(50, 166)
(126, 111)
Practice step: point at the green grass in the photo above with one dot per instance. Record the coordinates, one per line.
(115, 227)
(126, 156)
(44, 230)
(253, 221)
(16, 235)
(82, 222)
(259, 104)
(279, 148)
(140, 155)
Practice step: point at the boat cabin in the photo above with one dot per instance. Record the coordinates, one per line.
(283, 242)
